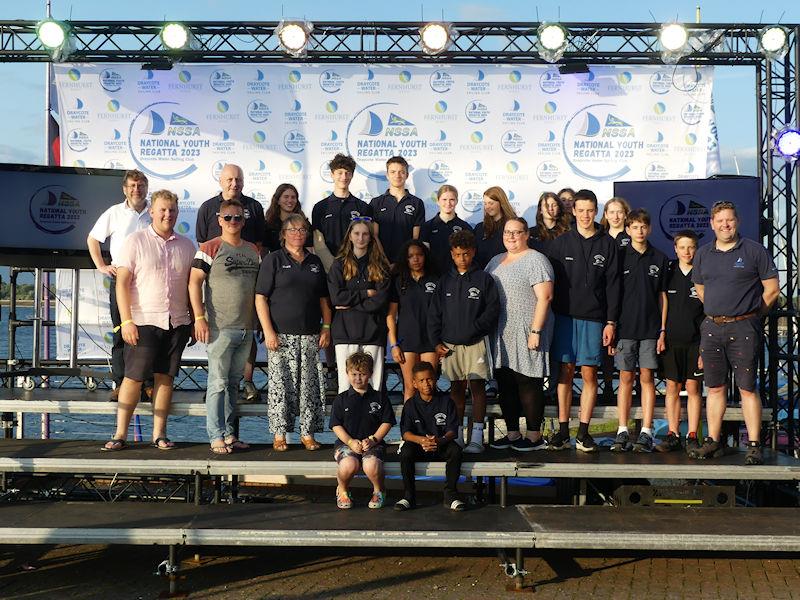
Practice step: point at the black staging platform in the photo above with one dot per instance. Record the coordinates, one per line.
(73, 456)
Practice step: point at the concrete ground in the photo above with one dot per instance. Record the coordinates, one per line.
(73, 572)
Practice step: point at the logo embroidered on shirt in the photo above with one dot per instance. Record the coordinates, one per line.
(457, 228)
(568, 258)
(286, 266)
(624, 242)
(739, 264)
(314, 268)
(599, 260)
(653, 271)
(328, 215)
(374, 408)
(430, 287)
(383, 209)
(409, 209)
(693, 292)
(473, 293)
(354, 214)
(246, 213)
(440, 419)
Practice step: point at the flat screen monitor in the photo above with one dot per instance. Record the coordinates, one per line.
(47, 213)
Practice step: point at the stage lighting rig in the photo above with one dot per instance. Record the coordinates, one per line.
(56, 37)
(551, 41)
(773, 41)
(674, 40)
(177, 36)
(293, 37)
(786, 143)
(435, 38)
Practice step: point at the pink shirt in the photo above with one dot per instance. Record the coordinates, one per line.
(159, 289)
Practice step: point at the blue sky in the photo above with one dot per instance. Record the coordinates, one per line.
(22, 131)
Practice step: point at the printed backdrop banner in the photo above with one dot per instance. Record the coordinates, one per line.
(525, 128)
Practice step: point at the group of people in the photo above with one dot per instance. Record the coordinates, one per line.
(505, 301)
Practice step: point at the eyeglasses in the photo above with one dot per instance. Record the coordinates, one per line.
(361, 220)
(301, 230)
(514, 233)
(234, 218)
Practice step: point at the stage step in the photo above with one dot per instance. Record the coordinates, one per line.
(79, 401)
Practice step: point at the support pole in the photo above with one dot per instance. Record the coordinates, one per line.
(503, 491)
(519, 580)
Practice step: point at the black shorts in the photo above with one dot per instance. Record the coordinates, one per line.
(158, 351)
(731, 345)
(679, 362)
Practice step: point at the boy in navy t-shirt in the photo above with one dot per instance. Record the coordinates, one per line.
(360, 418)
(429, 425)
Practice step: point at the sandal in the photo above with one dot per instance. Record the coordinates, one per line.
(309, 442)
(224, 449)
(344, 500)
(163, 443)
(280, 445)
(378, 500)
(237, 445)
(113, 445)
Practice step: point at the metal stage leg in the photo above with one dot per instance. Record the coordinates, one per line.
(234, 489)
(491, 429)
(217, 489)
(492, 489)
(171, 571)
(198, 488)
(580, 499)
(503, 491)
(519, 581)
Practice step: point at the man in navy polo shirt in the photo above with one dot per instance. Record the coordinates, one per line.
(399, 214)
(331, 216)
(738, 283)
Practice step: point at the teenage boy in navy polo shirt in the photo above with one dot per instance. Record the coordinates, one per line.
(429, 425)
(642, 326)
(436, 232)
(331, 216)
(361, 418)
(737, 283)
(679, 361)
(398, 213)
(463, 311)
(586, 306)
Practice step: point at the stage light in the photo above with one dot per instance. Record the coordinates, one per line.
(435, 38)
(786, 143)
(773, 41)
(673, 37)
(175, 36)
(293, 36)
(551, 41)
(52, 34)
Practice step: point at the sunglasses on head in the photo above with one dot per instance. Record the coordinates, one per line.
(234, 218)
(361, 220)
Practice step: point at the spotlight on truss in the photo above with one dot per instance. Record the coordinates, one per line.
(786, 143)
(56, 37)
(773, 41)
(177, 36)
(435, 38)
(674, 40)
(293, 37)
(551, 41)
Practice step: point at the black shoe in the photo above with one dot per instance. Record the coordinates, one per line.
(622, 443)
(558, 442)
(692, 444)
(523, 444)
(671, 444)
(586, 443)
(754, 455)
(405, 504)
(644, 443)
(710, 449)
(502, 444)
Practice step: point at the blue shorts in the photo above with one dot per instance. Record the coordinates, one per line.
(577, 341)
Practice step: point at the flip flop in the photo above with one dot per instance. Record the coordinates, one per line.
(116, 445)
(224, 449)
(168, 444)
(237, 445)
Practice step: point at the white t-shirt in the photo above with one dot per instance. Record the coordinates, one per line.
(119, 221)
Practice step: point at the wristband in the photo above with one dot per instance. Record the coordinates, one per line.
(536, 331)
(200, 317)
(326, 325)
(612, 323)
(121, 325)
(372, 438)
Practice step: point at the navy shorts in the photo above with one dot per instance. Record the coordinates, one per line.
(730, 345)
(577, 341)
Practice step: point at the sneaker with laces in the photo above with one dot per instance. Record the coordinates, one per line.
(672, 443)
(754, 455)
(473, 448)
(558, 441)
(378, 500)
(644, 443)
(586, 443)
(622, 443)
(692, 444)
(523, 444)
(503, 443)
(710, 449)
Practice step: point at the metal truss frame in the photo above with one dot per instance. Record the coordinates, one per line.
(515, 43)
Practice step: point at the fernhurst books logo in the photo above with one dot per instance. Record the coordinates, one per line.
(164, 142)
(54, 209)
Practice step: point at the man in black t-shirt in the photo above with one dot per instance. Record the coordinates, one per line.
(679, 361)
(429, 424)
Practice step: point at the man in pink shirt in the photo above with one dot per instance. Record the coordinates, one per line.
(153, 299)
